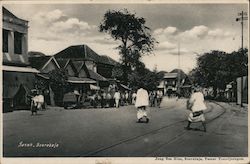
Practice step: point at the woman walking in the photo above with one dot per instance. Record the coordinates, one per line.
(197, 107)
(142, 101)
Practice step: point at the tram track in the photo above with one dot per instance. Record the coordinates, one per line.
(178, 136)
(152, 132)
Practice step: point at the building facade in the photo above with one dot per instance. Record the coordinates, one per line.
(18, 76)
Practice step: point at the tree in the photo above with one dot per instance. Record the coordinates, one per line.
(143, 77)
(217, 68)
(58, 83)
(134, 36)
(117, 72)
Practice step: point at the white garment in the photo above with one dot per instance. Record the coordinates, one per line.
(40, 99)
(117, 103)
(126, 95)
(76, 92)
(199, 118)
(133, 98)
(141, 113)
(117, 95)
(159, 94)
(142, 98)
(197, 99)
(134, 95)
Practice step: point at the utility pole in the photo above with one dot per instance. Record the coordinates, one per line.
(243, 16)
(178, 82)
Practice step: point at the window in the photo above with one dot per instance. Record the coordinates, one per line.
(5, 40)
(18, 42)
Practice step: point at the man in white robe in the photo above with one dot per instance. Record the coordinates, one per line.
(142, 101)
(197, 107)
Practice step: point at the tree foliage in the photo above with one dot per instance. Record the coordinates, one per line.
(143, 77)
(134, 36)
(117, 72)
(58, 82)
(217, 68)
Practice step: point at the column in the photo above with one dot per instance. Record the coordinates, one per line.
(11, 42)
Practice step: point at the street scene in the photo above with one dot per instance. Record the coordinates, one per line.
(112, 132)
(125, 80)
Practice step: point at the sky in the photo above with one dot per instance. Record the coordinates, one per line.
(196, 28)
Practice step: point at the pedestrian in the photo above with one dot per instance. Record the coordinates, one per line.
(122, 99)
(141, 103)
(197, 105)
(151, 98)
(95, 99)
(159, 98)
(40, 100)
(109, 99)
(34, 103)
(133, 98)
(103, 99)
(37, 102)
(77, 94)
(126, 97)
(117, 97)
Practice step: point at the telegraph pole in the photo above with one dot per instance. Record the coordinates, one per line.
(178, 82)
(243, 16)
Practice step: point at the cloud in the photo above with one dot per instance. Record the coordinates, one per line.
(165, 31)
(219, 33)
(51, 16)
(196, 32)
(71, 24)
(55, 25)
(166, 45)
(54, 31)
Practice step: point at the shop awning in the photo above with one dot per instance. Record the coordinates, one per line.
(96, 76)
(19, 69)
(79, 80)
(94, 87)
(125, 87)
(43, 76)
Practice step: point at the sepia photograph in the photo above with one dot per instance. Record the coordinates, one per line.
(155, 81)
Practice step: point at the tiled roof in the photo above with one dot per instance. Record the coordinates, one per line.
(96, 76)
(38, 62)
(77, 52)
(62, 62)
(83, 52)
(107, 60)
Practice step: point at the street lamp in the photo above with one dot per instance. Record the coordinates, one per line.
(243, 16)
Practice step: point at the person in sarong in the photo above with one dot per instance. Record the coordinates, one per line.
(197, 105)
(141, 103)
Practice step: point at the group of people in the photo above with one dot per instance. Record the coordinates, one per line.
(112, 99)
(141, 99)
(155, 98)
(37, 101)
